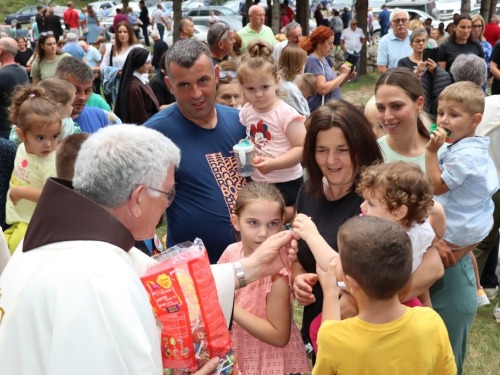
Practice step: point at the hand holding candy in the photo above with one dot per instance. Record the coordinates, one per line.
(435, 127)
(437, 139)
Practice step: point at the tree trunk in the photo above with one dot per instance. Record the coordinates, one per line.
(177, 16)
(465, 7)
(493, 10)
(125, 5)
(276, 17)
(362, 18)
(485, 10)
(302, 15)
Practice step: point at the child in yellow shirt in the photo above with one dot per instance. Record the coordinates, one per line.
(386, 337)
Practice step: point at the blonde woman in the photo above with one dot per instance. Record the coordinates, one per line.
(478, 36)
(290, 65)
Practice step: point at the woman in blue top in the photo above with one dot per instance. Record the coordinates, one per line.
(92, 25)
(478, 36)
(318, 47)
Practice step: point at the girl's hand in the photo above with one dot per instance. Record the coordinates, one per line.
(438, 137)
(431, 65)
(209, 367)
(263, 165)
(328, 280)
(304, 227)
(302, 288)
(14, 194)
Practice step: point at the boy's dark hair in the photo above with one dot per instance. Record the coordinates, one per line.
(377, 253)
(66, 154)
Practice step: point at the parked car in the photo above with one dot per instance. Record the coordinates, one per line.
(235, 23)
(233, 5)
(218, 11)
(477, 10)
(200, 33)
(428, 7)
(447, 8)
(99, 6)
(23, 15)
(186, 7)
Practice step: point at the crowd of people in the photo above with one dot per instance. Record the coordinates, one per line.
(394, 223)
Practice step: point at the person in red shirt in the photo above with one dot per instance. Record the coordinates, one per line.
(289, 11)
(492, 30)
(71, 19)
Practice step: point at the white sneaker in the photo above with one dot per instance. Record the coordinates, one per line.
(482, 299)
(492, 293)
(496, 312)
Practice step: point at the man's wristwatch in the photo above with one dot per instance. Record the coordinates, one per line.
(240, 274)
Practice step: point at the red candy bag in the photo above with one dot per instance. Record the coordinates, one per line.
(183, 294)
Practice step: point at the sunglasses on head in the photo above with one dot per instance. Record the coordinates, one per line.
(227, 28)
(224, 73)
(45, 33)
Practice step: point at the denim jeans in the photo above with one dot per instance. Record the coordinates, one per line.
(161, 30)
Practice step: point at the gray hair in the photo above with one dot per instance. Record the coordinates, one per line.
(71, 37)
(418, 32)
(184, 53)
(77, 68)
(155, 34)
(469, 68)
(495, 18)
(397, 11)
(117, 159)
(216, 33)
(291, 26)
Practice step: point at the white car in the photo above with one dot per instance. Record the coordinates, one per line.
(99, 6)
(200, 33)
(447, 8)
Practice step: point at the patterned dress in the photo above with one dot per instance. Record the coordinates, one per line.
(254, 356)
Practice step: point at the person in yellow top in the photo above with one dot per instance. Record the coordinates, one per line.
(38, 122)
(386, 337)
(256, 28)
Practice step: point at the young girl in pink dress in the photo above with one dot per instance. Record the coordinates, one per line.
(266, 340)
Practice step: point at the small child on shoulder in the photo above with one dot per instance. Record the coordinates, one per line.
(464, 176)
(375, 261)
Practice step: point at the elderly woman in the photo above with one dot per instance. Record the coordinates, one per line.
(418, 42)
(136, 101)
(318, 47)
(461, 42)
(478, 36)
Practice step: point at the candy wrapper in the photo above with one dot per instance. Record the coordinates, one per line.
(183, 294)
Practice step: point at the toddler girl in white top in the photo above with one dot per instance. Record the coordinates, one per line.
(276, 129)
